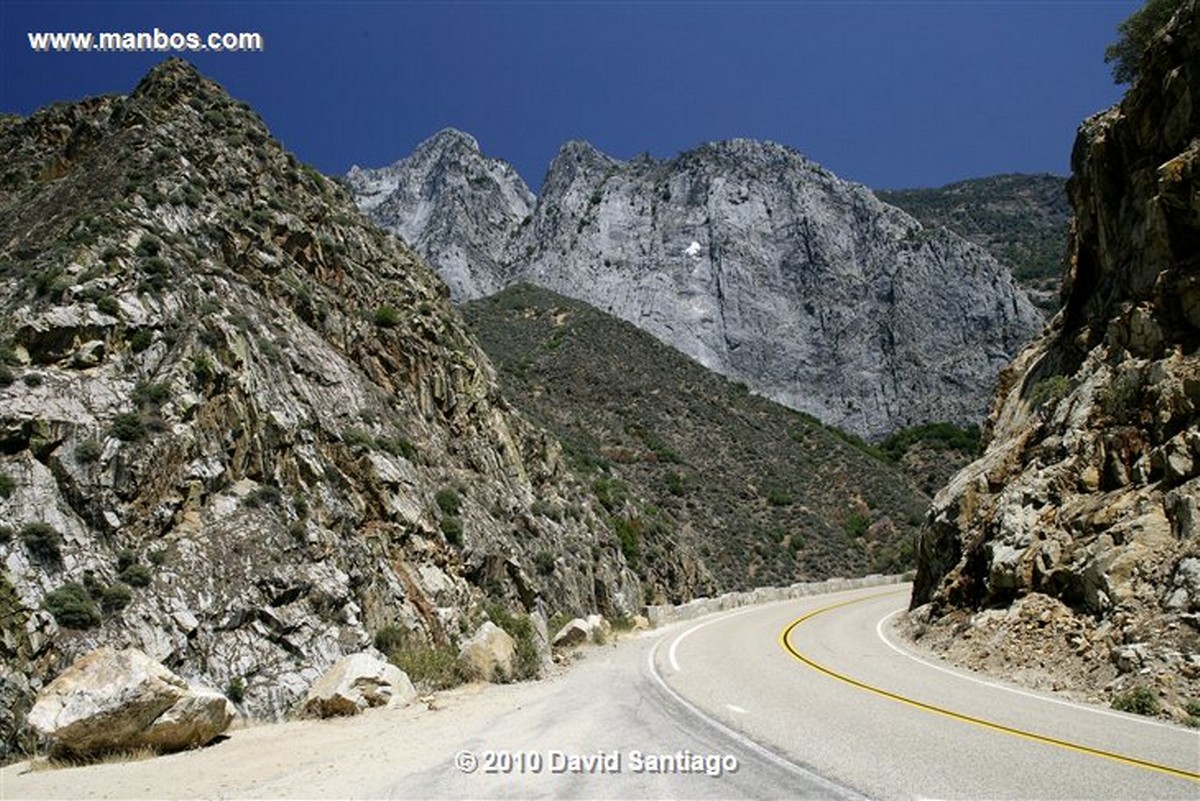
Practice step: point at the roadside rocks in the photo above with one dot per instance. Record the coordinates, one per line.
(593, 628)
(356, 682)
(112, 700)
(490, 654)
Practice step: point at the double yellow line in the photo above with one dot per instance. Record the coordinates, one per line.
(785, 643)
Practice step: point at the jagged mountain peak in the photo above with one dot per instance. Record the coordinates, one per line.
(761, 265)
(454, 205)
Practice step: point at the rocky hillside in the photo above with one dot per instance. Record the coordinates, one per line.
(765, 495)
(1022, 220)
(1070, 551)
(768, 269)
(242, 428)
(456, 207)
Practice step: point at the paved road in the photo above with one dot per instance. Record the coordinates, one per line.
(834, 695)
(712, 690)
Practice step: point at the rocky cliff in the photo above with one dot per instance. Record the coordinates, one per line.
(768, 269)
(241, 428)
(1070, 552)
(456, 207)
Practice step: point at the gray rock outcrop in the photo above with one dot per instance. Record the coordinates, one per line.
(112, 700)
(760, 265)
(357, 682)
(1085, 497)
(286, 440)
(456, 207)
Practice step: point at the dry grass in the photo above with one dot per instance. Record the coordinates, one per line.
(39, 764)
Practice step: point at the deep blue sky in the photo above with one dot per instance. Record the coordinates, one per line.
(891, 94)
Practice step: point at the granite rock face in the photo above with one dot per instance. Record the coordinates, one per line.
(1087, 492)
(459, 209)
(760, 265)
(241, 428)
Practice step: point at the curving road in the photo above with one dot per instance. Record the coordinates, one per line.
(820, 682)
(807, 697)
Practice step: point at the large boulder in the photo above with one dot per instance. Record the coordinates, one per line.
(356, 682)
(574, 632)
(490, 654)
(111, 700)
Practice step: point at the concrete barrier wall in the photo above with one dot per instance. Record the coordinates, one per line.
(660, 615)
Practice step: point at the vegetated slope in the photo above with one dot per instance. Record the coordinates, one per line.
(1074, 541)
(764, 494)
(241, 427)
(747, 257)
(1022, 220)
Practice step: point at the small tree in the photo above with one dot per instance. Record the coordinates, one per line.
(1136, 33)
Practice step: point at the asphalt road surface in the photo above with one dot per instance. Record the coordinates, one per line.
(800, 699)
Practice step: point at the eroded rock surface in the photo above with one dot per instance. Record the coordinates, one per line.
(1087, 492)
(241, 428)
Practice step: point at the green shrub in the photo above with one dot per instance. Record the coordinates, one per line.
(42, 540)
(629, 534)
(148, 245)
(137, 575)
(128, 427)
(108, 305)
(266, 495)
(147, 394)
(429, 667)
(1192, 708)
(780, 497)
(88, 451)
(856, 525)
(6, 534)
(543, 562)
(7, 485)
(141, 339)
(387, 317)
(357, 438)
(1139, 700)
(6, 375)
(71, 607)
(32, 379)
(389, 638)
(449, 501)
(158, 557)
(397, 446)
(452, 528)
(1052, 388)
(126, 558)
(235, 690)
(115, 597)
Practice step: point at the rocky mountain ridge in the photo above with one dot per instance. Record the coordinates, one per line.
(1069, 553)
(1022, 220)
(760, 265)
(241, 428)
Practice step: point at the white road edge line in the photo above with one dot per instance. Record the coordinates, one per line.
(836, 790)
(998, 686)
(675, 643)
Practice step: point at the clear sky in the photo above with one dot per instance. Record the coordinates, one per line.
(891, 94)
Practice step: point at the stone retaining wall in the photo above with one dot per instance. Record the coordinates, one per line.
(660, 615)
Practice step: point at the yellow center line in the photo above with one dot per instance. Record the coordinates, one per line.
(785, 643)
